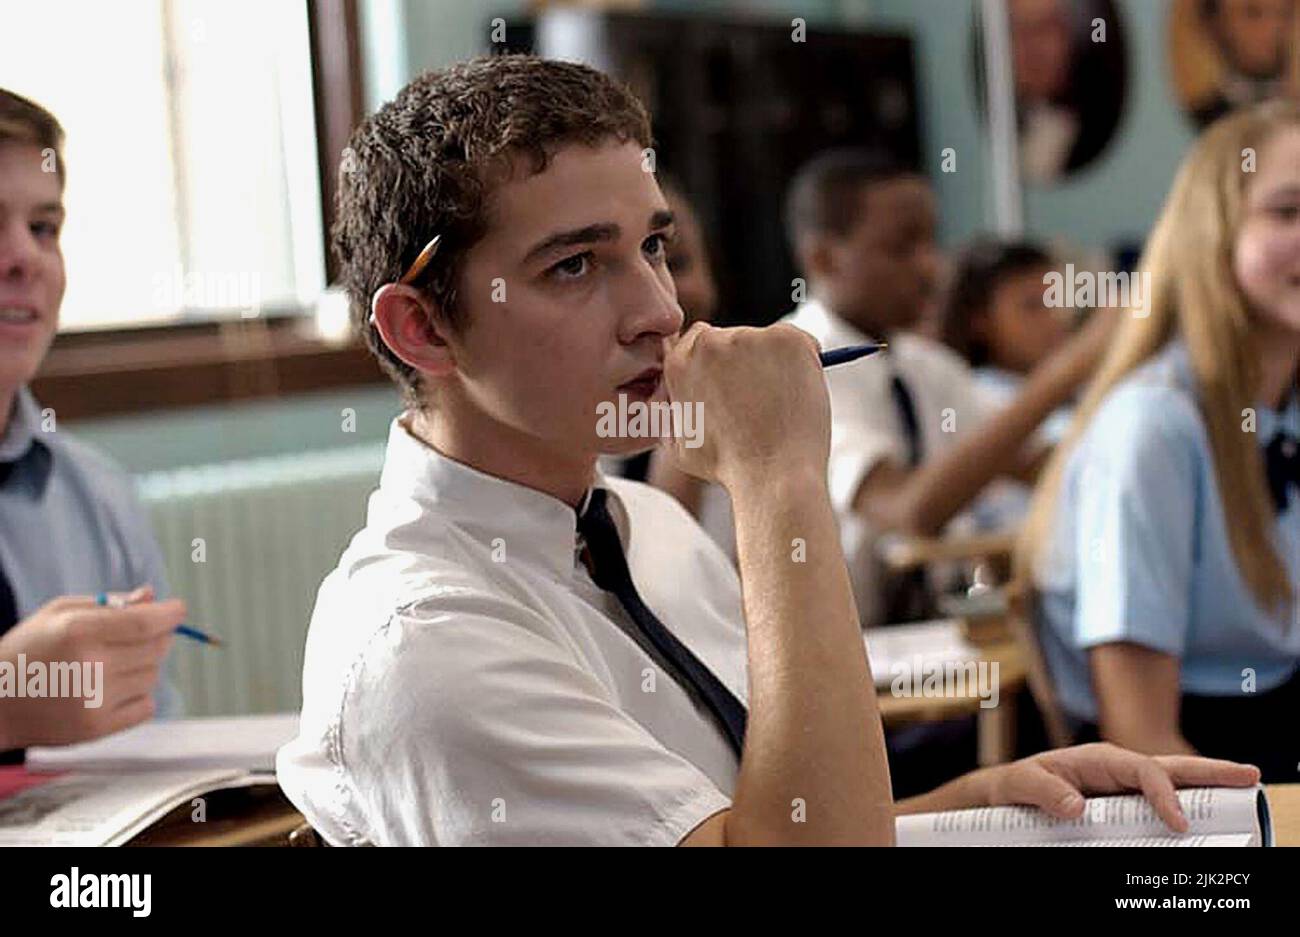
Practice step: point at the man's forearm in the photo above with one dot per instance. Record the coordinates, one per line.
(814, 768)
(946, 485)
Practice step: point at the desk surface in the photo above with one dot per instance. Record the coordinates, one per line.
(1012, 669)
(1284, 805)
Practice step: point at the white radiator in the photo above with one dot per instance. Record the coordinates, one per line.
(270, 529)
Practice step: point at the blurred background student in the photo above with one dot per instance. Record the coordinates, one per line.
(1165, 540)
(70, 525)
(995, 316)
(914, 440)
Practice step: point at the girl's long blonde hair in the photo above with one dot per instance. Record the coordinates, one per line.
(1194, 295)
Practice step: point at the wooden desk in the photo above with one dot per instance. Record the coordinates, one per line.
(1284, 805)
(996, 726)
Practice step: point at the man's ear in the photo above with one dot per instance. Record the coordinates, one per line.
(817, 256)
(407, 321)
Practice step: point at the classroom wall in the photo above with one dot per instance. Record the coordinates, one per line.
(1112, 201)
(1092, 208)
(168, 439)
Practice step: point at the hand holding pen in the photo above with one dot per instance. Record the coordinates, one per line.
(146, 594)
(116, 651)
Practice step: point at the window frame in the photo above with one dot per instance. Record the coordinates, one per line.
(106, 372)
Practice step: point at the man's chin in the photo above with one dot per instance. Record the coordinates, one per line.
(16, 370)
(624, 447)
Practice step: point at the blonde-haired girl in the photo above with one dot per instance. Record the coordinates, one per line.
(1164, 540)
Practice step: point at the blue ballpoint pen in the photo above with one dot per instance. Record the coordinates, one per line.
(183, 630)
(850, 353)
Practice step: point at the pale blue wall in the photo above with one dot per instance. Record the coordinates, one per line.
(173, 438)
(1112, 201)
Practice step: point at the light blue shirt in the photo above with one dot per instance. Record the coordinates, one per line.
(1004, 503)
(1139, 550)
(70, 523)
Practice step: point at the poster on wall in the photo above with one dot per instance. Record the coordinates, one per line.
(1069, 73)
(1228, 53)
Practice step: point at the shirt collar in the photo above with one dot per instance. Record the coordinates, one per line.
(23, 442)
(1268, 420)
(20, 433)
(833, 328)
(530, 526)
(834, 331)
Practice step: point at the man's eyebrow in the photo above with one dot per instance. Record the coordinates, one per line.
(50, 207)
(592, 233)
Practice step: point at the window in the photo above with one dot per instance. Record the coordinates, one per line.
(192, 183)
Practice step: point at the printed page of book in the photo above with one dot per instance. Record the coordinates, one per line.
(102, 810)
(1211, 811)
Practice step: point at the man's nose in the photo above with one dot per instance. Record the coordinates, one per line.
(653, 308)
(17, 251)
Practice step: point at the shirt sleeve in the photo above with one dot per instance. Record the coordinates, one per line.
(1135, 509)
(466, 723)
(863, 434)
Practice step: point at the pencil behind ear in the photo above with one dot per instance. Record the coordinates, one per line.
(408, 323)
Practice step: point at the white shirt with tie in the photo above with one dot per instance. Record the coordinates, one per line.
(866, 427)
(466, 682)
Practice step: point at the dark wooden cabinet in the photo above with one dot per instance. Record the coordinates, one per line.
(738, 105)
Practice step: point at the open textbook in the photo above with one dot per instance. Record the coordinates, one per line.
(248, 742)
(104, 792)
(100, 809)
(1217, 816)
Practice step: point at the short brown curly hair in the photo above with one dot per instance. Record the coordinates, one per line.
(420, 166)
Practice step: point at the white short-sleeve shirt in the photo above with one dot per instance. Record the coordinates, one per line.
(465, 681)
(866, 427)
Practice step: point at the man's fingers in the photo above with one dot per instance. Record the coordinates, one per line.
(121, 658)
(1159, 790)
(128, 686)
(137, 624)
(1035, 786)
(68, 602)
(1102, 768)
(128, 713)
(1193, 771)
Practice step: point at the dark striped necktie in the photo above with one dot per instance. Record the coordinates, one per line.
(906, 407)
(8, 618)
(609, 570)
(908, 597)
(8, 604)
(1282, 464)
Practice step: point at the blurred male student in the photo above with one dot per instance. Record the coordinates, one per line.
(912, 440)
(516, 649)
(70, 527)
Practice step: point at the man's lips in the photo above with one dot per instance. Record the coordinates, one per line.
(645, 383)
(17, 313)
(18, 322)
